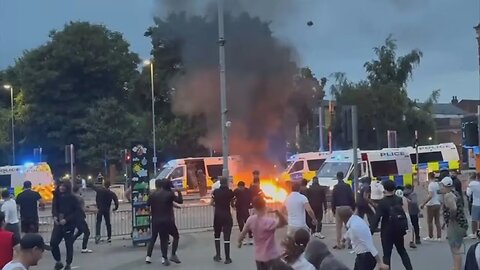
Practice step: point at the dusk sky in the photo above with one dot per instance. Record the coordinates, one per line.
(341, 39)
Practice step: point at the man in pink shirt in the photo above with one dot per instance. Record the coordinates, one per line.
(263, 228)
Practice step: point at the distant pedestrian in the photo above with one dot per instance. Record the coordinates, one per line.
(433, 203)
(202, 183)
(242, 203)
(394, 225)
(28, 202)
(473, 192)
(8, 241)
(358, 233)
(222, 199)
(65, 210)
(104, 199)
(304, 192)
(457, 224)
(376, 192)
(30, 252)
(342, 200)
(413, 212)
(82, 225)
(161, 202)
(255, 189)
(295, 248)
(317, 197)
(9, 208)
(267, 250)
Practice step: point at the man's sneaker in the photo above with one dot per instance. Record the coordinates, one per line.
(217, 258)
(175, 259)
(165, 262)
(67, 267)
(438, 240)
(97, 239)
(109, 240)
(428, 239)
(250, 241)
(418, 242)
(148, 260)
(319, 235)
(472, 236)
(58, 266)
(412, 245)
(86, 250)
(228, 261)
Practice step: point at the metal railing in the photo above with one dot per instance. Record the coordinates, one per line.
(188, 218)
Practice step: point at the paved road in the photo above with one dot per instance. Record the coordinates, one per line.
(196, 251)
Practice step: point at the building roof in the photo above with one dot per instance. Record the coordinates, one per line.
(447, 109)
(468, 105)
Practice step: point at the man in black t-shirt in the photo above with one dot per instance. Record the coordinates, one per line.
(161, 203)
(103, 199)
(28, 202)
(222, 222)
(243, 200)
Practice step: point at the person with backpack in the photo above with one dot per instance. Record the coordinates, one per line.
(454, 216)
(472, 260)
(394, 225)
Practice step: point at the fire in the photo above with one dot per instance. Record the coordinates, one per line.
(274, 192)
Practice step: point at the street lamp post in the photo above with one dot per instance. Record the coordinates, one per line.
(150, 63)
(223, 88)
(477, 30)
(9, 87)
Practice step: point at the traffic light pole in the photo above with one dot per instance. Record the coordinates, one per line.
(223, 87)
(355, 149)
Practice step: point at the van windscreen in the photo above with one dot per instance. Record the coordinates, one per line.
(384, 168)
(214, 171)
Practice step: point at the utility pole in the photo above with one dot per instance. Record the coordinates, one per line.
(223, 87)
(355, 149)
(416, 156)
(320, 127)
(477, 30)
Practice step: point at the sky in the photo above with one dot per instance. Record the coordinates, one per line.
(341, 39)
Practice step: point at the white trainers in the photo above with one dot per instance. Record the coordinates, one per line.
(319, 235)
(86, 250)
(428, 239)
(472, 236)
(148, 260)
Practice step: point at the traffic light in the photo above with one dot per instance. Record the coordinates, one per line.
(127, 158)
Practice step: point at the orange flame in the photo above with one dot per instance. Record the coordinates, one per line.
(273, 192)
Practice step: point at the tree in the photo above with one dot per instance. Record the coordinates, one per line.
(108, 130)
(382, 100)
(64, 78)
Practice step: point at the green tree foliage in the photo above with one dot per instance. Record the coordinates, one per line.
(382, 100)
(64, 78)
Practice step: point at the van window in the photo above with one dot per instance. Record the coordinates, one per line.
(298, 166)
(384, 168)
(426, 157)
(315, 164)
(214, 171)
(5, 180)
(177, 173)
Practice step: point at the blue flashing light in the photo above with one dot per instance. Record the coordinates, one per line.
(28, 164)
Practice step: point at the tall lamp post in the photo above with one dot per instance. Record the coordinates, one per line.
(150, 63)
(477, 30)
(223, 88)
(9, 87)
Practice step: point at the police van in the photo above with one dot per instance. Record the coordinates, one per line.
(40, 174)
(183, 172)
(436, 157)
(304, 166)
(388, 163)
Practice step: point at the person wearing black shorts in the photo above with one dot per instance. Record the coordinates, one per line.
(222, 222)
(28, 201)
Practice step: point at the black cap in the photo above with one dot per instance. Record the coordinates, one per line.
(27, 184)
(32, 240)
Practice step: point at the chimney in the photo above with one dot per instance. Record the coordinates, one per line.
(454, 100)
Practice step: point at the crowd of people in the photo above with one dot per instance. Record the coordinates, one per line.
(389, 209)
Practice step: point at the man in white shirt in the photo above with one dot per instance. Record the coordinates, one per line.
(433, 204)
(360, 236)
(9, 208)
(473, 191)
(295, 205)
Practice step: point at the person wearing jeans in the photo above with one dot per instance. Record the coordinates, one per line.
(104, 200)
(433, 208)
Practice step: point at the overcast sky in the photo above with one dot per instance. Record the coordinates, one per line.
(341, 39)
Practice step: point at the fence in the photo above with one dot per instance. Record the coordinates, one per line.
(188, 218)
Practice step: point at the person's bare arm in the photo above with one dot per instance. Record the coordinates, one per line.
(176, 205)
(430, 196)
(310, 212)
(282, 220)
